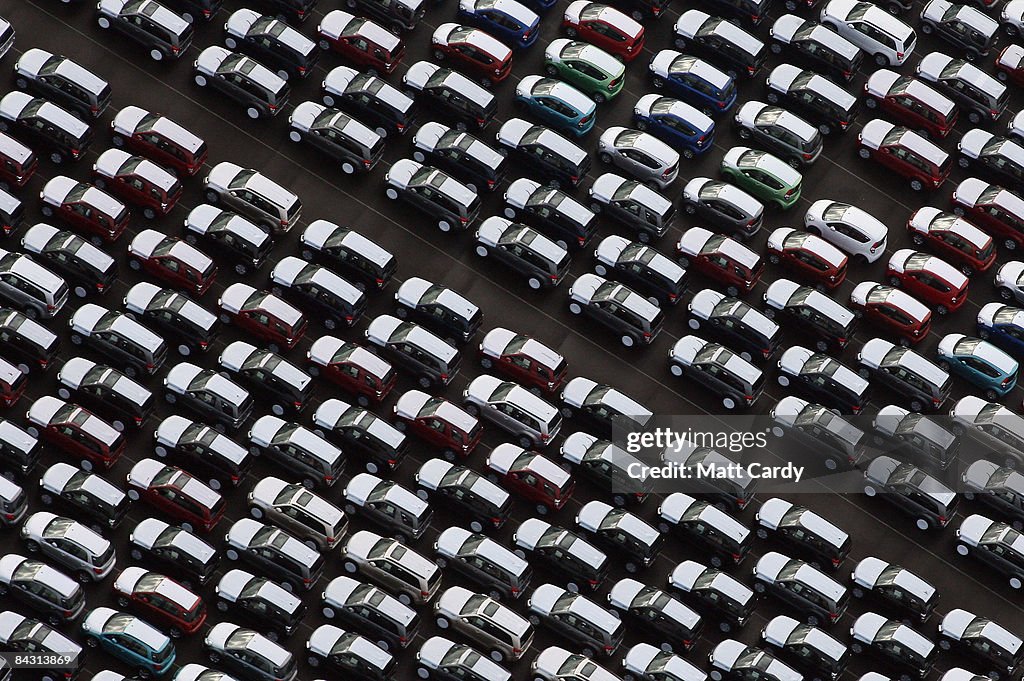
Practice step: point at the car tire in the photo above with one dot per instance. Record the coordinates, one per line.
(916, 185)
(1015, 583)
(881, 60)
(715, 675)
(772, 98)
(628, 341)
(729, 403)
(916, 406)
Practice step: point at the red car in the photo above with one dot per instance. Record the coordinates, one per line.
(523, 359)
(893, 310)
(85, 207)
(353, 368)
(263, 314)
(181, 265)
(531, 475)
(160, 599)
(1010, 64)
(12, 383)
(911, 102)
(158, 138)
(476, 52)
(17, 162)
(929, 278)
(138, 181)
(176, 493)
(991, 207)
(361, 41)
(954, 238)
(808, 255)
(721, 258)
(605, 27)
(77, 431)
(439, 422)
(906, 152)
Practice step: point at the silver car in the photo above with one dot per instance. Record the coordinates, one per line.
(531, 419)
(641, 154)
(70, 543)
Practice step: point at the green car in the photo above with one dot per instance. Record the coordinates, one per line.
(767, 177)
(589, 68)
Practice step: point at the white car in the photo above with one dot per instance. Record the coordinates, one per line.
(1012, 17)
(1009, 281)
(440, 657)
(852, 229)
(643, 155)
(880, 34)
(558, 664)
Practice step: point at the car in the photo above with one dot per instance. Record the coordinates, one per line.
(822, 379)
(1010, 64)
(617, 307)
(992, 207)
(92, 498)
(29, 635)
(440, 422)
(315, 461)
(532, 476)
(75, 430)
(589, 68)
(391, 624)
(979, 94)
(431, 360)
(551, 211)
(1003, 326)
(272, 42)
(804, 531)
(414, 578)
(361, 41)
(996, 486)
(68, 542)
(807, 254)
(693, 80)
(181, 321)
(564, 551)
(892, 310)
(716, 595)
(790, 137)
(726, 206)
(218, 459)
(736, 382)
(398, 17)
(686, 129)
(351, 367)
(720, 258)
(381, 445)
(883, 36)
(210, 395)
(904, 151)
(310, 517)
(605, 27)
(452, 204)
(482, 502)
(42, 588)
(26, 341)
(503, 632)
(995, 543)
(388, 505)
(85, 207)
(338, 135)
(606, 465)
(438, 308)
(264, 603)
(966, 28)
(263, 314)
(921, 384)
(363, 261)
(815, 45)
(267, 203)
(849, 227)
(990, 369)
(524, 250)
(558, 104)
(161, 31)
(734, 660)
(233, 238)
(1012, 18)
(764, 175)
(175, 550)
(172, 260)
(523, 358)
(599, 405)
(833, 440)
(929, 278)
(733, 323)
(160, 138)
(19, 164)
(622, 533)
(235, 76)
(177, 609)
(552, 158)
(988, 643)
(137, 180)
(177, 493)
(816, 596)
(63, 135)
(896, 644)
(349, 653)
(738, 52)
(63, 81)
(642, 267)
(445, 660)
(828, 105)
(999, 157)
(893, 586)
(807, 647)
(459, 154)
(369, 98)
(473, 50)
(992, 425)
(25, 284)
(911, 490)
(657, 613)
(633, 204)
(248, 653)
(509, 21)
(956, 239)
(639, 153)
(320, 292)
(911, 102)
(294, 11)
(84, 267)
(452, 94)
(13, 382)
(274, 552)
(576, 618)
(522, 414)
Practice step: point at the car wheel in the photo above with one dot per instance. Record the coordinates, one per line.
(476, 526)
(1015, 583)
(729, 403)
(628, 341)
(881, 60)
(916, 406)
(772, 98)
(1005, 293)
(715, 675)
(598, 98)
(442, 622)
(405, 599)
(200, 80)
(783, 380)
(732, 291)
(575, 308)
(916, 185)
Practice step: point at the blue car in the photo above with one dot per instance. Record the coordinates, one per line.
(540, 6)
(1003, 325)
(676, 123)
(558, 104)
(694, 81)
(510, 21)
(979, 362)
(131, 639)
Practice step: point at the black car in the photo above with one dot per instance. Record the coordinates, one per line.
(62, 81)
(295, 11)
(642, 267)
(208, 394)
(809, 649)
(194, 10)
(355, 146)
(175, 551)
(998, 651)
(606, 466)
(734, 323)
(750, 11)
(459, 154)
(896, 645)
(106, 391)
(816, 596)
(348, 251)
(816, 46)
(318, 291)
(804, 531)
(822, 379)
(260, 602)
(183, 323)
(788, 136)
(83, 495)
(911, 490)
(998, 487)
(894, 587)
(994, 543)
(551, 211)
(633, 204)
(564, 552)
(549, 157)
(361, 432)
(397, 15)
(84, 267)
(659, 615)
(721, 41)
(438, 308)
(524, 250)
(479, 501)
(627, 314)
(19, 452)
(451, 94)
(718, 535)
(46, 125)
(270, 377)
(728, 208)
(349, 655)
(717, 595)
(26, 341)
(210, 455)
(1001, 158)
(370, 99)
(42, 588)
(164, 34)
(813, 96)
(272, 42)
(230, 236)
(621, 531)
(820, 318)
(734, 380)
(967, 28)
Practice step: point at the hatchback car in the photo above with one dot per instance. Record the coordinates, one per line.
(852, 229)
(787, 135)
(979, 362)
(451, 94)
(555, 103)
(172, 260)
(138, 181)
(233, 238)
(727, 207)
(248, 653)
(67, 542)
(883, 36)
(362, 41)
(822, 379)
(920, 383)
(86, 207)
(62, 134)
(639, 153)
(911, 102)
(576, 618)
(182, 322)
(503, 632)
(823, 102)
(764, 175)
(211, 396)
(589, 68)
(261, 602)
(524, 250)
(62, 80)
(372, 100)
(482, 502)
(680, 125)
(904, 151)
(160, 138)
(234, 75)
(693, 80)
(966, 28)
(355, 146)
(42, 588)
(523, 358)
(175, 550)
(474, 51)
(618, 307)
(995, 543)
(459, 154)
(911, 490)
(815, 45)
(604, 26)
(929, 278)
(94, 499)
(272, 42)
(523, 415)
(262, 314)
(269, 204)
(804, 531)
(738, 52)
(979, 94)
(27, 285)
(894, 587)
(621, 532)
(177, 609)
(552, 158)
(440, 422)
(1001, 158)
(732, 660)
(733, 323)
(955, 239)
(899, 646)
(720, 258)
(274, 552)
(176, 493)
(992, 207)
(452, 204)
(736, 382)
(444, 660)
(642, 267)
(512, 22)
(718, 596)
(633, 204)
(808, 255)
(347, 652)
(77, 431)
(892, 310)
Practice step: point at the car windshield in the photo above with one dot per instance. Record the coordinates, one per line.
(967, 346)
(835, 212)
(713, 244)
(502, 391)
(860, 10)
(952, 69)
(887, 631)
(545, 86)
(821, 364)
(814, 414)
(624, 191)
(366, 82)
(709, 26)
